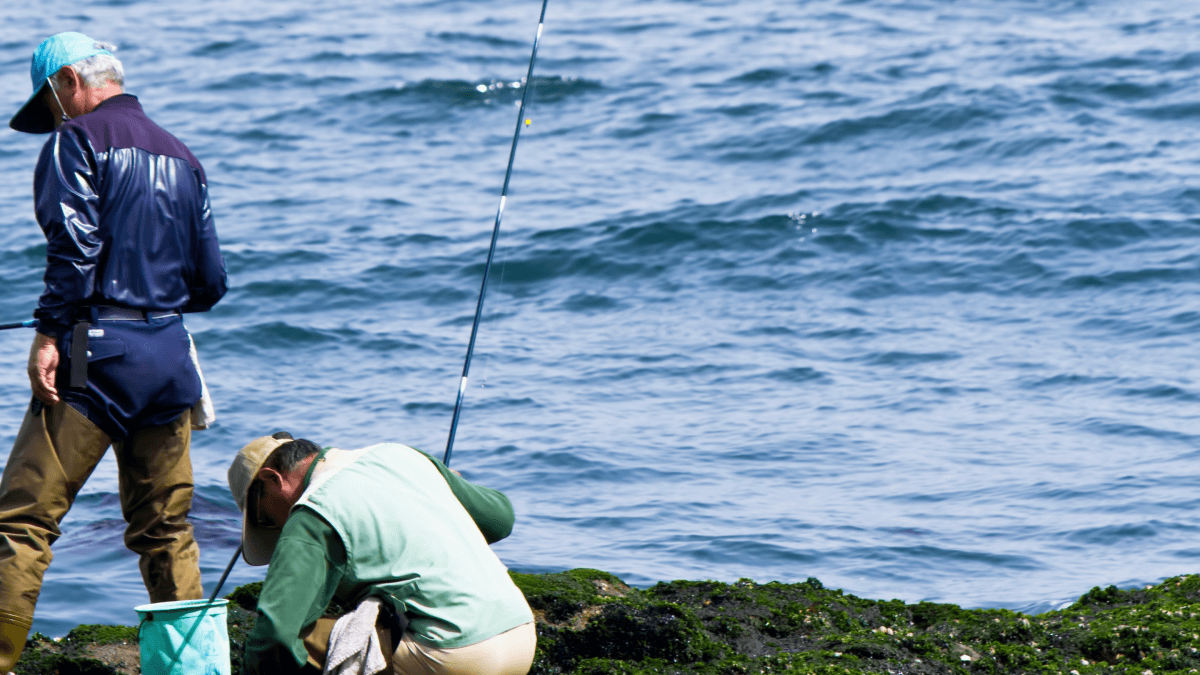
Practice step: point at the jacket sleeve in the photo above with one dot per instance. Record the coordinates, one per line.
(489, 508)
(303, 577)
(67, 208)
(208, 283)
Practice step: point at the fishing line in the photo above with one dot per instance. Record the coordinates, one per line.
(462, 384)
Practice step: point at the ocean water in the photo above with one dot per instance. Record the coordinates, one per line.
(898, 294)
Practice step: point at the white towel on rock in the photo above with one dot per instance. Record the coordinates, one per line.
(354, 647)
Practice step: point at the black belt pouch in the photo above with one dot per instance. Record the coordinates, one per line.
(79, 355)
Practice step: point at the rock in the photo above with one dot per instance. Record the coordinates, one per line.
(592, 623)
(86, 650)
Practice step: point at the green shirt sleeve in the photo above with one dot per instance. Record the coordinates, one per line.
(305, 571)
(489, 508)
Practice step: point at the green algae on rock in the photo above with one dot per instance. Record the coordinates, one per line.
(87, 650)
(591, 623)
(745, 627)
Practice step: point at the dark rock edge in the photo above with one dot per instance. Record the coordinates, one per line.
(590, 622)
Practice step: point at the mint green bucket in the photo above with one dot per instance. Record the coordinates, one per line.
(187, 637)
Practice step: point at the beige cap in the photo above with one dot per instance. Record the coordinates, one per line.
(258, 541)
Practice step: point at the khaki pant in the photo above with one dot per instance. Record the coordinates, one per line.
(55, 452)
(509, 653)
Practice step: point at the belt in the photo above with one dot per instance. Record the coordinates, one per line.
(79, 338)
(128, 314)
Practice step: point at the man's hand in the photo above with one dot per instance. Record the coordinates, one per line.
(43, 362)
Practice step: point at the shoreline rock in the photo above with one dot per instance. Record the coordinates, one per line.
(592, 623)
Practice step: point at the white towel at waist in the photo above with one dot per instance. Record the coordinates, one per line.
(354, 647)
(203, 413)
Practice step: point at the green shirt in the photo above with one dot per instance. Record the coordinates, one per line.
(388, 524)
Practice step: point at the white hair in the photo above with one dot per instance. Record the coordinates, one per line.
(96, 71)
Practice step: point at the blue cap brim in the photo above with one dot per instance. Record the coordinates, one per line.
(35, 116)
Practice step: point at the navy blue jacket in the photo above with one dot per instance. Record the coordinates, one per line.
(124, 207)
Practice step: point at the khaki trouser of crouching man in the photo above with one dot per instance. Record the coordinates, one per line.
(55, 452)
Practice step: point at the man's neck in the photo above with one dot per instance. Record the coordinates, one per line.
(97, 95)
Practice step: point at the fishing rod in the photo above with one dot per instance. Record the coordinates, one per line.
(32, 323)
(482, 289)
(462, 384)
(228, 568)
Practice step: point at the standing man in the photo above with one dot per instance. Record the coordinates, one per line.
(130, 245)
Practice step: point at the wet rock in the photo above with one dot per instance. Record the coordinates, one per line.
(590, 622)
(86, 650)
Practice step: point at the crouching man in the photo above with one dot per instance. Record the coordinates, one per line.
(387, 528)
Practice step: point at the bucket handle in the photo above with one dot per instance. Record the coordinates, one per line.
(149, 616)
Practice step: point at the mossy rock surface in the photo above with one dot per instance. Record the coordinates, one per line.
(749, 628)
(87, 650)
(591, 623)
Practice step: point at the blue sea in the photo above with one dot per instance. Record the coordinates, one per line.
(899, 294)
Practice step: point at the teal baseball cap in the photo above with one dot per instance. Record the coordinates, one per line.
(55, 52)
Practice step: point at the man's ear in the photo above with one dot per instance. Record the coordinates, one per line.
(67, 80)
(270, 477)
